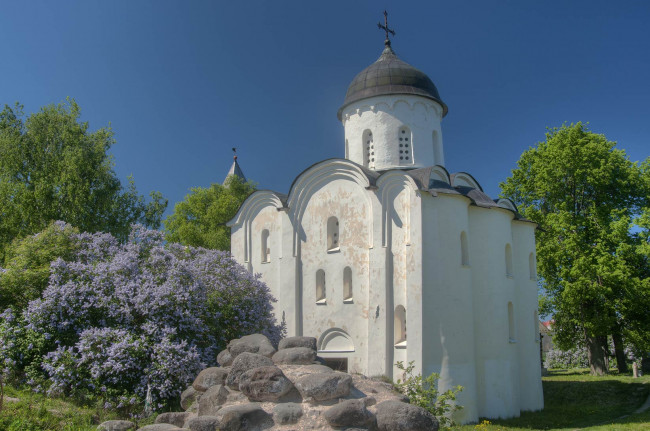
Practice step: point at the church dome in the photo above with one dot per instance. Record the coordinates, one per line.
(390, 75)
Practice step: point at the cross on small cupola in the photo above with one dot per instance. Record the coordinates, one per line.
(386, 29)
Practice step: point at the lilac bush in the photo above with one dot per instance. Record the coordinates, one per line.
(567, 359)
(119, 318)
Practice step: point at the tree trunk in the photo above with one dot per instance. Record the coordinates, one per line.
(621, 361)
(596, 355)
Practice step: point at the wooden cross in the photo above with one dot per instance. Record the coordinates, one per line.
(385, 28)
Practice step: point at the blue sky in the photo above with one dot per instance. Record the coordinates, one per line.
(181, 83)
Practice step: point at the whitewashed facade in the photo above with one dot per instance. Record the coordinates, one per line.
(384, 256)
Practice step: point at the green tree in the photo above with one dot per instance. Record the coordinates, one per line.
(53, 168)
(586, 195)
(28, 259)
(200, 219)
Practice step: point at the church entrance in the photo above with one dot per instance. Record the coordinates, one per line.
(337, 364)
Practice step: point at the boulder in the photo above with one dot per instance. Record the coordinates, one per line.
(255, 343)
(295, 356)
(174, 418)
(188, 396)
(224, 358)
(212, 400)
(116, 426)
(324, 386)
(245, 417)
(289, 342)
(287, 413)
(264, 384)
(158, 427)
(210, 377)
(399, 416)
(349, 413)
(203, 423)
(243, 362)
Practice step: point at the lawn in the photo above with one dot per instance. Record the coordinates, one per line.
(576, 400)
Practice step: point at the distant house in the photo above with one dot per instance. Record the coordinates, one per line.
(546, 331)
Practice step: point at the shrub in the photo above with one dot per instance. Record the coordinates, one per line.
(423, 392)
(118, 318)
(566, 359)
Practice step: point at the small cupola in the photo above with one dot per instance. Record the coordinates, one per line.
(392, 114)
(235, 169)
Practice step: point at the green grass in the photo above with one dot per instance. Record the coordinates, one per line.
(36, 412)
(576, 400)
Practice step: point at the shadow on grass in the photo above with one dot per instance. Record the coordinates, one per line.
(583, 403)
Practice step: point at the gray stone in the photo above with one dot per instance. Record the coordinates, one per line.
(210, 377)
(289, 342)
(398, 416)
(245, 417)
(287, 413)
(264, 384)
(324, 386)
(295, 356)
(349, 413)
(158, 427)
(203, 423)
(243, 362)
(224, 358)
(255, 343)
(212, 400)
(116, 426)
(188, 396)
(174, 418)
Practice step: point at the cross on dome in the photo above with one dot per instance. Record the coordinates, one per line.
(386, 29)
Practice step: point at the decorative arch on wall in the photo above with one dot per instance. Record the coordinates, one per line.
(333, 236)
(465, 180)
(464, 249)
(508, 256)
(439, 173)
(387, 183)
(399, 327)
(335, 340)
(507, 204)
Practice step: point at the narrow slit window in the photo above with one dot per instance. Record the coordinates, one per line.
(511, 324)
(405, 146)
(333, 237)
(508, 260)
(464, 252)
(437, 149)
(532, 266)
(266, 251)
(347, 284)
(320, 286)
(368, 146)
(400, 325)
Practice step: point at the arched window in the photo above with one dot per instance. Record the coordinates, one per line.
(320, 286)
(400, 325)
(508, 260)
(369, 149)
(511, 324)
(347, 150)
(532, 266)
(437, 149)
(266, 251)
(405, 146)
(332, 233)
(464, 252)
(347, 284)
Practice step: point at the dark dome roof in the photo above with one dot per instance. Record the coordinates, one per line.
(390, 75)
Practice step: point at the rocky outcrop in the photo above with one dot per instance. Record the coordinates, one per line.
(291, 391)
(116, 426)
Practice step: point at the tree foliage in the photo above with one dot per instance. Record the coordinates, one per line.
(200, 219)
(587, 196)
(53, 168)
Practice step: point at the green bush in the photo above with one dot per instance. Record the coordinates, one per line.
(423, 392)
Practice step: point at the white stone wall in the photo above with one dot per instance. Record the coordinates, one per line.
(384, 116)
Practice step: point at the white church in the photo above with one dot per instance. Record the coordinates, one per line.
(385, 256)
